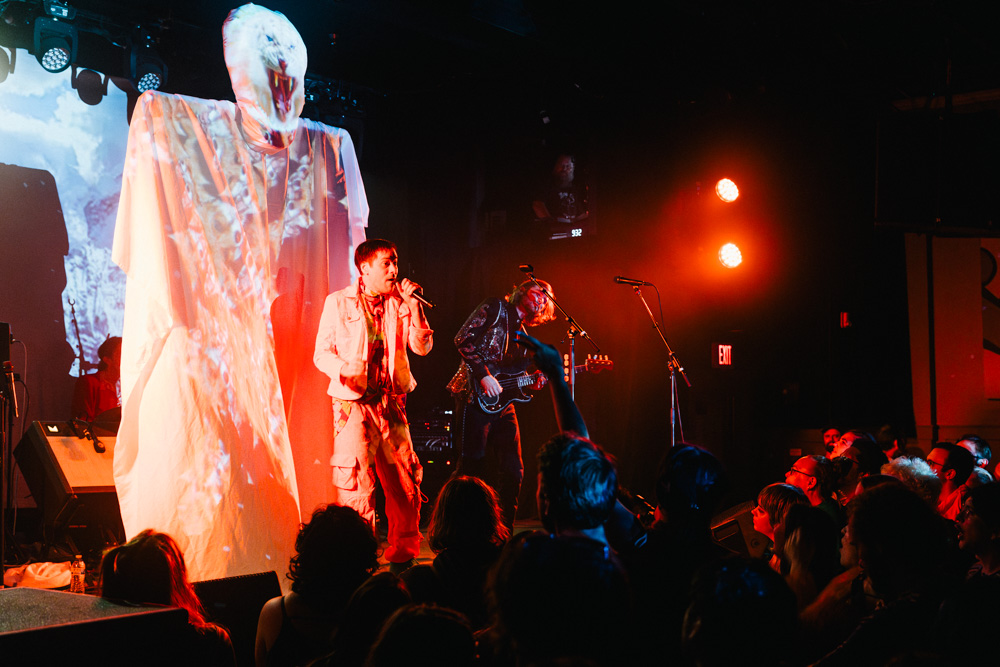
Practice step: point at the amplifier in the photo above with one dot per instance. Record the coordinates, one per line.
(433, 434)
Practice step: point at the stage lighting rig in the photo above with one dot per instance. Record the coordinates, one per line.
(91, 86)
(55, 39)
(146, 68)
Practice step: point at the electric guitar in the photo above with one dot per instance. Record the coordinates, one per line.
(511, 384)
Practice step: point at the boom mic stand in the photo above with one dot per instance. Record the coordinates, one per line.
(673, 364)
(573, 331)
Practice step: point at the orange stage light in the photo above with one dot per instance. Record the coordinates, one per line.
(727, 190)
(730, 256)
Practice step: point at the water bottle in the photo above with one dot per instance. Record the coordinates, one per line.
(78, 575)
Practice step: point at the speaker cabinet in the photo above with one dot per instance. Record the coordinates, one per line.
(40, 627)
(733, 529)
(72, 483)
(235, 604)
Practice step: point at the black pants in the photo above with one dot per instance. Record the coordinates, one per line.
(490, 448)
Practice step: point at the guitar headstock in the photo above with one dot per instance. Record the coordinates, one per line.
(598, 363)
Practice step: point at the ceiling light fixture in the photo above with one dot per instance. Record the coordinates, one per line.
(55, 44)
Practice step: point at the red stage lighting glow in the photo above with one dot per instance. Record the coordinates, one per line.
(730, 256)
(727, 190)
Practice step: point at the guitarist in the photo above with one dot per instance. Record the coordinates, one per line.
(490, 443)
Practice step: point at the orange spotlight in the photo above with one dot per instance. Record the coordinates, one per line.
(727, 190)
(730, 256)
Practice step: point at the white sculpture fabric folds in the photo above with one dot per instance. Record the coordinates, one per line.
(231, 238)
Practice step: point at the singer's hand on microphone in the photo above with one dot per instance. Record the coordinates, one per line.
(406, 289)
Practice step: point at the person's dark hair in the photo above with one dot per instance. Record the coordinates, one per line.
(690, 483)
(871, 481)
(466, 514)
(334, 553)
(901, 540)
(982, 447)
(889, 436)
(776, 499)
(369, 249)
(985, 501)
(734, 604)
(871, 458)
(579, 480)
(959, 459)
(559, 596)
(375, 601)
(424, 634)
(548, 313)
(107, 350)
(817, 542)
(150, 569)
(826, 475)
(860, 435)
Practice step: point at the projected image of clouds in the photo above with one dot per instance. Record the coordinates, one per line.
(47, 127)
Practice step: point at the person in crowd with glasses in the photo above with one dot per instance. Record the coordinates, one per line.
(816, 476)
(953, 465)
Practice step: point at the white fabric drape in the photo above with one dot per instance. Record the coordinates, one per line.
(209, 233)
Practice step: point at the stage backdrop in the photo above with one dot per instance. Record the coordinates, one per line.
(60, 176)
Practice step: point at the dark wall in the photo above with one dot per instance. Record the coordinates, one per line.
(452, 184)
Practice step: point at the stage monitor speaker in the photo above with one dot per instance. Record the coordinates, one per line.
(733, 529)
(235, 604)
(41, 627)
(72, 483)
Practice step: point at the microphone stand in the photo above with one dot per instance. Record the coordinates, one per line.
(673, 364)
(573, 331)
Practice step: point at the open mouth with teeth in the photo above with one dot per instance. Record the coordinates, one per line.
(282, 87)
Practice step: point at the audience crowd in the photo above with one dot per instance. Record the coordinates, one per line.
(876, 555)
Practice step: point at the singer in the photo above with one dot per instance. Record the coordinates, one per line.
(491, 441)
(361, 345)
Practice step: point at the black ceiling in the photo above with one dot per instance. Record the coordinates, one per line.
(582, 52)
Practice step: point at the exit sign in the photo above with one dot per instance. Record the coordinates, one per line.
(722, 355)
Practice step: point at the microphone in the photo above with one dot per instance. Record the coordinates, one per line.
(526, 268)
(419, 296)
(630, 281)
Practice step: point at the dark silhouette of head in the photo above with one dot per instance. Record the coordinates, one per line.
(334, 553)
(741, 613)
(150, 569)
(424, 634)
(559, 596)
(901, 540)
(466, 514)
(377, 599)
(690, 485)
(577, 484)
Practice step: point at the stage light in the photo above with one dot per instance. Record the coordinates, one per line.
(55, 44)
(7, 63)
(146, 68)
(89, 86)
(730, 256)
(727, 190)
